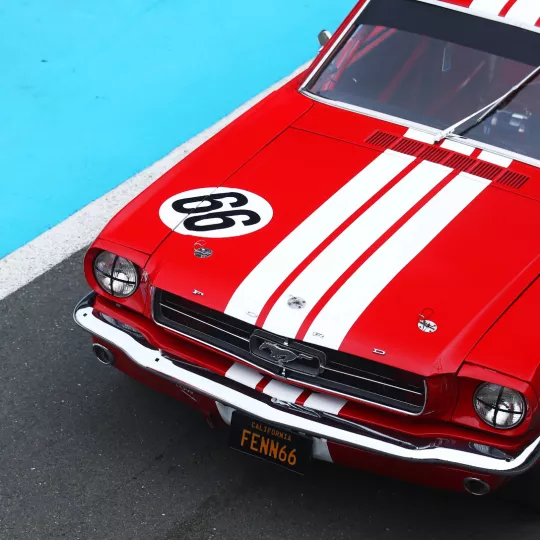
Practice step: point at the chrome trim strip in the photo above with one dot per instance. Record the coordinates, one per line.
(326, 368)
(202, 322)
(155, 362)
(371, 113)
(375, 432)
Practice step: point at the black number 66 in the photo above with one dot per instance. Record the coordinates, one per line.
(206, 217)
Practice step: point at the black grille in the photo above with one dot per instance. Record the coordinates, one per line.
(344, 373)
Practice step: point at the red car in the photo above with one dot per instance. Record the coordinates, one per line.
(349, 271)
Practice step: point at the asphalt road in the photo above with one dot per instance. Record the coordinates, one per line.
(87, 453)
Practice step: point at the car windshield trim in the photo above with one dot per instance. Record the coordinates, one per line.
(421, 127)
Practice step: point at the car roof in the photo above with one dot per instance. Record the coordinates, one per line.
(522, 13)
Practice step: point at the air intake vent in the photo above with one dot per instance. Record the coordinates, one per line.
(435, 154)
(460, 163)
(455, 161)
(513, 180)
(382, 139)
(486, 170)
(408, 146)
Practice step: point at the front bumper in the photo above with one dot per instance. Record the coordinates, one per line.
(230, 396)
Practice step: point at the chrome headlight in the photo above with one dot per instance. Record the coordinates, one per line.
(116, 275)
(498, 406)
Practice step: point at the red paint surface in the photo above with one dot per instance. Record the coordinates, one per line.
(478, 275)
(468, 274)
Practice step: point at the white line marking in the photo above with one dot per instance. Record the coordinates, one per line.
(421, 136)
(493, 7)
(79, 230)
(244, 375)
(490, 157)
(327, 268)
(325, 403)
(458, 147)
(362, 288)
(269, 274)
(282, 391)
(525, 11)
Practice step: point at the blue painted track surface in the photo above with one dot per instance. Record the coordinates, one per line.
(94, 91)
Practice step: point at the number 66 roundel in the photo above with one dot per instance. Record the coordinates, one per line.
(216, 212)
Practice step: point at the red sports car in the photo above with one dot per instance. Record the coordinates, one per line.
(349, 271)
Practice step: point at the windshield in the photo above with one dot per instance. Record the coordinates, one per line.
(418, 76)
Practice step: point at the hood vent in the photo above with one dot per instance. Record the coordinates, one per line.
(513, 180)
(408, 146)
(456, 161)
(435, 154)
(382, 139)
(460, 162)
(486, 170)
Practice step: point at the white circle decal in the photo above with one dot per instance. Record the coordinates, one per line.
(216, 212)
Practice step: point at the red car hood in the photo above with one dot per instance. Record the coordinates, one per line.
(138, 225)
(360, 243)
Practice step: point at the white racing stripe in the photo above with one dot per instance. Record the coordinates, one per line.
(270, 273)
(525, 11)
(493, 7)
(325, 270)
(458, 147)
(244, 375)
(282, 391)
(420, 136)
(335, 320)
(496, 159)
(325, 403)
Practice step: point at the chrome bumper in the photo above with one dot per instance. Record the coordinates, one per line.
(439, 452)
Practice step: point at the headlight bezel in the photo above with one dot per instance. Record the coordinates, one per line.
(100, 276)
(497, 406)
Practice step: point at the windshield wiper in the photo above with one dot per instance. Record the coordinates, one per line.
(489, 109)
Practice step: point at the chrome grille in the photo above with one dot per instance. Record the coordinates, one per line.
(343, 373)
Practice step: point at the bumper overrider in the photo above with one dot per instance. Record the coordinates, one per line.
(230, 396)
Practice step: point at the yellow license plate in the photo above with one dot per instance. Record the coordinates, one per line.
(272, 443)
